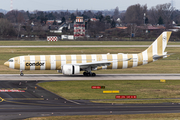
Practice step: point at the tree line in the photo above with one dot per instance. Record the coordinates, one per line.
(135, 15)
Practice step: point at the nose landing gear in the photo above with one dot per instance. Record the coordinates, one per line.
(21, 74)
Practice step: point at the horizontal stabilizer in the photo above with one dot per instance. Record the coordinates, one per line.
(156, 57)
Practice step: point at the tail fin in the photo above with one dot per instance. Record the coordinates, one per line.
(159, 45)
(156, 50)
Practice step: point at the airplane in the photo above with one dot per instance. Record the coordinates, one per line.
(73, 64)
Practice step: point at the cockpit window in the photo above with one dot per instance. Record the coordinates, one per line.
(10, 60)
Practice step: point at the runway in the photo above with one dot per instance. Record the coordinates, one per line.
(37, 102)
(48, 77)
(80, 46)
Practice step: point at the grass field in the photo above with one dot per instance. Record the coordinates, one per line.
(168, 116)
(5, 43)
(168, 65)
(138, 101)
(76, 90)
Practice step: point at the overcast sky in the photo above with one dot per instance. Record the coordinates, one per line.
(32, 5)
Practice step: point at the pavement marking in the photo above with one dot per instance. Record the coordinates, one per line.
(73, 101)
(37, 104)
(1, 100)
(24, 98)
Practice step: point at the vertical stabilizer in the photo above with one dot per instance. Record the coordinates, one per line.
(156, 50)
(159, 45)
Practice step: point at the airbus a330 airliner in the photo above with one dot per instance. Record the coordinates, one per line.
(73, 64)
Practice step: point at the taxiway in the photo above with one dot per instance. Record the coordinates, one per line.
(79, 46)
(48, 77)
(38, 102)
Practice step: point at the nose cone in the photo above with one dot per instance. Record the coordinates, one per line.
(6, 64)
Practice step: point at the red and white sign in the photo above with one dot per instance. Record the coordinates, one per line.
(52, 38)
(126, 96)
(95, 87)
(79, 20)
(12, 91)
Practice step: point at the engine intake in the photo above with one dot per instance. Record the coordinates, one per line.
(70, 69)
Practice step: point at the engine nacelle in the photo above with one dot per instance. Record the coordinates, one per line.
(70, 69)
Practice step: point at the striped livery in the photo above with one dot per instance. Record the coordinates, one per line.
(93, 61)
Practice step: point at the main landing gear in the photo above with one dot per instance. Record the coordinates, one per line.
(89, 74)
(21, 74)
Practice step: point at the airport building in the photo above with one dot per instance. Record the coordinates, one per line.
(79, 27)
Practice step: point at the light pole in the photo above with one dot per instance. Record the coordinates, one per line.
(144, 18)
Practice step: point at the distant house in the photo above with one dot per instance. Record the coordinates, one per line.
(122, 28)
(116, 28)
(175, 29)
(118, 20)
(150, 28)
(50, 22)
(94, 19)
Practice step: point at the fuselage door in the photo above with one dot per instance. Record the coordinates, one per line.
(20, 61)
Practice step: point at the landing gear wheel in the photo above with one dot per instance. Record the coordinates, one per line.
(21, 74)
(93, 74)
(86, 73)
(89, 74)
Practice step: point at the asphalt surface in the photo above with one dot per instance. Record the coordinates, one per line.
(97, 77)
(67, 46)
(37, 102)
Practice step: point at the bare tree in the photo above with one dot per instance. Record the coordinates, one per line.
(176, 16)
(1, 15)
(95, 27)
(116, 13)
(6, 28)
(77, 13)
(15, 16)
(132, 29)
(88, 14)
(135, 14)
(163, 10)
(122, 17)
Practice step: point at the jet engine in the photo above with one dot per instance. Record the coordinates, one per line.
(70, 69)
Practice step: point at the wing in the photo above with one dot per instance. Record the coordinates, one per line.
(98, 63)
(94, 64)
